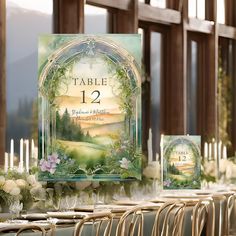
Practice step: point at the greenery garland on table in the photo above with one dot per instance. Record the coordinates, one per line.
(43, 196)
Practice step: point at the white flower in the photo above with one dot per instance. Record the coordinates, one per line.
(21, 183)
(224, 163)
(2, 180)
(124, 163)
(15, 191)
(9, 185)
(230, 171)
(210, 168)
(82, 185)
(38, 193)
(37, 185)
(152, 170)
(31, 179)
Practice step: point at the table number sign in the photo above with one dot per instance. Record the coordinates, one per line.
(90, 99)
(181, 157)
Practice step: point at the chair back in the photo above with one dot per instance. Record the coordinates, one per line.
(32, 228)
(169, 219)
(100, 223)
(203, 215)
(132, 221)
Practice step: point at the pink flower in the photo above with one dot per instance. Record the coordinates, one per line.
(167, 183)
(54, 158)
(50, 164)
(44, 165)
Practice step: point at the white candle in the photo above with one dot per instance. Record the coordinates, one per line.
(224, 152)
(149, 144)
(6, 163)
(12, 154)
(27, 155)
(21, 164)
(157, 157)
(161, 151)
(32, 148)
(219, 149)
(215, 151)
(210, 152)
(36, 156)
(205, 150)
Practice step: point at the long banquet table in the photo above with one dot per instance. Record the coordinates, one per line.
(219, 196)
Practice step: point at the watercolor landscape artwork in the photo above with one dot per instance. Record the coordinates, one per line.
(181, 162)
(89, 107)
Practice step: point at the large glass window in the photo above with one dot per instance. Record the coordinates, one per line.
(192, 88)
(158, 3)
(221, 11)
(225, 91)
(26, 20)
(96, 20)
(156, 73)
(196, 8)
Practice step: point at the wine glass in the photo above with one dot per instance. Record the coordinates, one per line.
(68, 203)
(71, 202)
(15, 208)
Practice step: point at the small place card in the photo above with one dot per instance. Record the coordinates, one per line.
(181, 158)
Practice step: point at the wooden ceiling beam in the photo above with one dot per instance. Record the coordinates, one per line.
(117, 4)
(227, 31)
(155, 14)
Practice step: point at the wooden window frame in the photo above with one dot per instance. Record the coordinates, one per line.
(201, 77)
(126, 16)
(146, 109)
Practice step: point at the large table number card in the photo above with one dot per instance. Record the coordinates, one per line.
(90, 99)
(181, 162)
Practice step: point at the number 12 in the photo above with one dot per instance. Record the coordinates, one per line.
(95, 100)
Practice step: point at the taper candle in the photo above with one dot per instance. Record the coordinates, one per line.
(220, 149)
(205, 150)
(27, 155)
(32, 149)
(12, 154)
(149, 144)
(210, 152)
(224, 152)
(6, 163)
(21, 164)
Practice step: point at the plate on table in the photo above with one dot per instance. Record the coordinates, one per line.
(203, 193)
(13, 223)
(34, 216)
(85, 208)
(113, 208)
(127, 202)
(56, 221)
(67, 215)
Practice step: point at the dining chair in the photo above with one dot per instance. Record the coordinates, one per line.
(169, 219)
(230, 203)
(96, 224)
(22, 228)
(132, 221)
(229, 210)
(31, 228)
(203, 215)
(202, 211)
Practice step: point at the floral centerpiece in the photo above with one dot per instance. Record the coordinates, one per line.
(20, 187)
(225, 173)
(41, 196)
